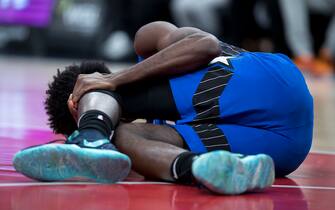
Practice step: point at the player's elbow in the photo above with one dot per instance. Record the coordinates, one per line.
(208, 46)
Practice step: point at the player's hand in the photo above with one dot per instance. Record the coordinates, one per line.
(87, 82)
(73, 108)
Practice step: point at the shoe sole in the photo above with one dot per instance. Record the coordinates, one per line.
(225, 173)
(56, 162)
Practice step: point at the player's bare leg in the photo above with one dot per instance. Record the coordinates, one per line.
(157, 152)
(152, 148)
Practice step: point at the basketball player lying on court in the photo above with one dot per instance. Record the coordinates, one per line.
(239, 116)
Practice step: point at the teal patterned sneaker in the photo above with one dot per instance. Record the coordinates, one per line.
(228, 173)
(98, 161)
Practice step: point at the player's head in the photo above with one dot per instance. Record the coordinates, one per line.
(60, 118)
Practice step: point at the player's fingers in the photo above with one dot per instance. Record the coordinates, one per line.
(84, 84)
(70, 101)
(70, 98)
(88, 83)
(72, 109)
(77, 92)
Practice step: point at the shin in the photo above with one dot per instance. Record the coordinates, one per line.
(100, 110)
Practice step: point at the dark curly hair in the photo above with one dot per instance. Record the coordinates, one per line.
(60, 118)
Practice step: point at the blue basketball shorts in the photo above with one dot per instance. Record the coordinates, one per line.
(247, 103)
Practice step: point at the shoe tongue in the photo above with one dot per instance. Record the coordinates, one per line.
(92, 134)
(91, 138)
(109, 146)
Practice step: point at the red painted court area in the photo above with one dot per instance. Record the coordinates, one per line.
(23, 123)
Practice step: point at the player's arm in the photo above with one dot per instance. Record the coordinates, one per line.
(168, 51)
(156, 36)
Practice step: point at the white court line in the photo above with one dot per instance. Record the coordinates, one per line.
(142, 183)
(135, 183)
(304, 187)
(45, 184)
(74, 183)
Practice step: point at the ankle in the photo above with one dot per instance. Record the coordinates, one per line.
(95, 124)
(181, 168)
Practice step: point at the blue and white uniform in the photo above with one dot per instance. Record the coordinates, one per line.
(248, 103)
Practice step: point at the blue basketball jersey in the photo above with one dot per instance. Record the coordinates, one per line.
(260, 90)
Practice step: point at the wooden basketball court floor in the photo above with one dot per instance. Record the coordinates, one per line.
(23, 123)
